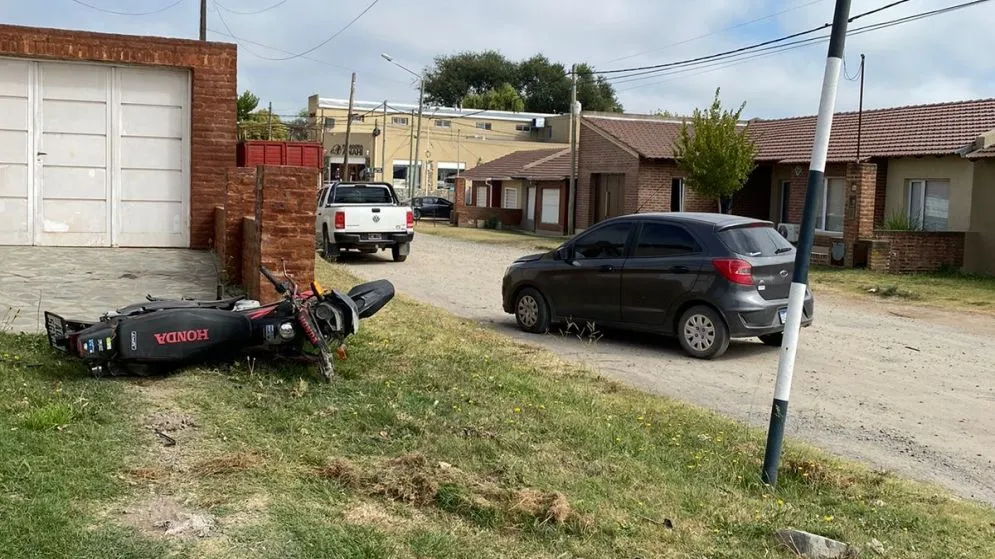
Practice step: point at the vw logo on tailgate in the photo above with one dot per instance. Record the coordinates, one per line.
(376, 219)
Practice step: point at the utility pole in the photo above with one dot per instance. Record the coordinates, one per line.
(411, 156)
(799, 281)
(421, 97)
(269, 122)
(203, 20)
(574, 114)
(459, 134)
(860, 109)
(348, 130)
(383, 143)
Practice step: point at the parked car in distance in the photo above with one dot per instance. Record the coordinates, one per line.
(431, 206)
(363, 216)
(702, 277)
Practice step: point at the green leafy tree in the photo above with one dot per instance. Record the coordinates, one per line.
(504, 98)
(543, 85)
(300, 128)
(245, 104)
(257, 126)
(715, 153)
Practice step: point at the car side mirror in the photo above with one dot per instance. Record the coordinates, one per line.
(562, 253)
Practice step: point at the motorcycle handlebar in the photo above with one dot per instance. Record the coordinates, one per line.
(280, 288)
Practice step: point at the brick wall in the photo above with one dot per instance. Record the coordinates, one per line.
(240, 201)
(916, 251)
(653, 192)
(220, 240)
(213, 65)
(880, 191)
(859, 202)
(597, 154)
(469, 216)
(285, 224)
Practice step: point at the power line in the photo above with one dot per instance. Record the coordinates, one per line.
(718, 65)
(739, 56)
(117, 13)
(741, 49)
(250, 13)
(299, 54)
(737, 26)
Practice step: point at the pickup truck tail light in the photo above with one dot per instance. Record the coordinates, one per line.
(340, 220)
(411, 219)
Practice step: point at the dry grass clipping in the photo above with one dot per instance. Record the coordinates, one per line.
(226, 464)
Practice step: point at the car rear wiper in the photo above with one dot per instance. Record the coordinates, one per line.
(783, 250)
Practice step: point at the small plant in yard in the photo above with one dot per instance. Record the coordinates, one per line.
(901, 221)
(492, 222)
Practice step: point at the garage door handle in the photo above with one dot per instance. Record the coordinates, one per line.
(606, 268)
(41, 153)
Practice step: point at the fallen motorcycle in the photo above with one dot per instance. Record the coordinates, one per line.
(162, 335)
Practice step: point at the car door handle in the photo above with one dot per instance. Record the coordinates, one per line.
(606, 268)
(678, 269)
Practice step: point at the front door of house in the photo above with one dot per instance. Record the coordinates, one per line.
(609, 196)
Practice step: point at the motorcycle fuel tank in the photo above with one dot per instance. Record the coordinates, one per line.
(183, 335)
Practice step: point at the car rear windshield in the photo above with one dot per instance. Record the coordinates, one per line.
(755, 241)
(362, 195)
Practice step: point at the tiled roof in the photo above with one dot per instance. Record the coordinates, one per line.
(982, 153)
(649, 137)
(553, 167)
(513, 165)
(937, 129)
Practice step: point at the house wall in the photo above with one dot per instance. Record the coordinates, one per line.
(979, 249)
(598, 154)
(213, 65)
(959, 171)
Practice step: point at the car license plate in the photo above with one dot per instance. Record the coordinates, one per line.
(782, 314)
(374, 236)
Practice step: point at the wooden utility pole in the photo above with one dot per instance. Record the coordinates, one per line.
(348, 130)
(203, 20)
(411, 156)
(860, 110)
(572, 191)
(269, 122)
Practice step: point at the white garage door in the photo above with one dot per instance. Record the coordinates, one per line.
(93, 155)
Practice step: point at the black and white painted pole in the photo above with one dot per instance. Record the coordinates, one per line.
(799, 282)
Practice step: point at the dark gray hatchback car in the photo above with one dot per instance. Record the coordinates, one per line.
(702, 277)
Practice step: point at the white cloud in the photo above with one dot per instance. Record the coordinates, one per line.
(937, 59)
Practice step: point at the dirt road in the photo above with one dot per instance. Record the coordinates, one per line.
(901, 388)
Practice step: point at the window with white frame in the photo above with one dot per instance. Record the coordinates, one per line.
(550, 212)
(399, 120)
(444, 123)
(829, 205)
(927, 203)
(480, 200)
(484, 125)
(509, 198)
(523, 127)
(467, 192)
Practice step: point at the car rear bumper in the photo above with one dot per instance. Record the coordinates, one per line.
(364, 239)
(762, 319)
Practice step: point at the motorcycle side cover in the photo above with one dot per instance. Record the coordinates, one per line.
(168, 336)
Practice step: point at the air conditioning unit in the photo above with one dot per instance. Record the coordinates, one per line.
(789, 231)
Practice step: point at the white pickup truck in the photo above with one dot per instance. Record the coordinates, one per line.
(363, 216)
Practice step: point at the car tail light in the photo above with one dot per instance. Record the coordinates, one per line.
(411, 219)
(340, 220)
(734, 270)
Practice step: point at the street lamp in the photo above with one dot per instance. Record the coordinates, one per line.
(421, 96)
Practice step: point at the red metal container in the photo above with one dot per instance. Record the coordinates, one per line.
(268, 152)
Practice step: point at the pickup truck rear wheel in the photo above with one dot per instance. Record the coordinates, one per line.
(328, 250)
(395, 252)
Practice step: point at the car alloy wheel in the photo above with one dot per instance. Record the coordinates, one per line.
(699, 332)
(528, 311)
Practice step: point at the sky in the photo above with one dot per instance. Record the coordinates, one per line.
(937, 59)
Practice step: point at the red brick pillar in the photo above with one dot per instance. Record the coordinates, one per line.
(285, 206)
(859, 207)
(240, 201)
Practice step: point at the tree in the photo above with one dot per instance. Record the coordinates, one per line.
(543, 85)
(504, 98)
(245, 104)
(299, 129)
(715, 153)
(257, 126)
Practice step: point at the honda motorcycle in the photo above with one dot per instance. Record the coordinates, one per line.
(162, 335)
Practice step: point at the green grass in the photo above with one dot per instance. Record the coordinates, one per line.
(489, 236)
(438, 439)
(939, 289)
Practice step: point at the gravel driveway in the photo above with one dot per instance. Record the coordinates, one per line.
(901, 388)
